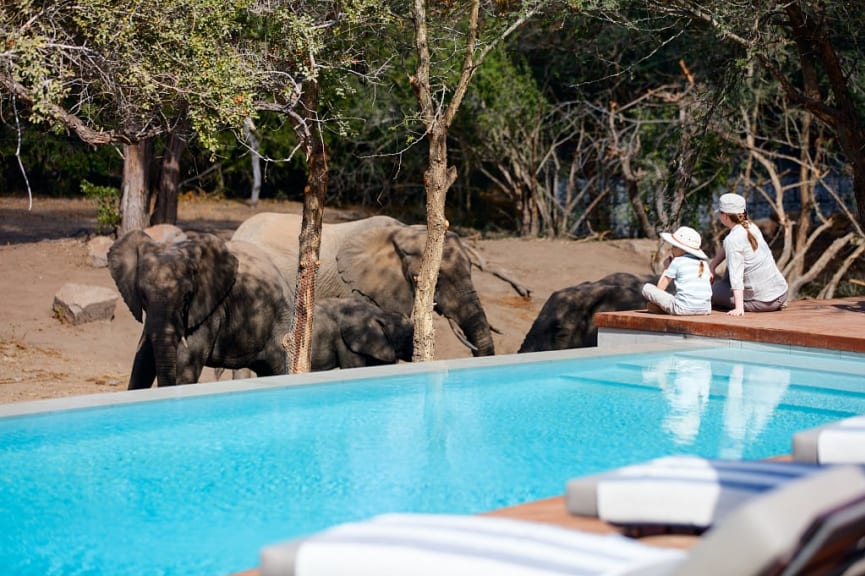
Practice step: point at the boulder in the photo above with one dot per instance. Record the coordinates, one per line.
(97, 251)
(79, 303)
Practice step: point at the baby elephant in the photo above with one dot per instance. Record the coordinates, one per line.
(354, 332)
(567, 318)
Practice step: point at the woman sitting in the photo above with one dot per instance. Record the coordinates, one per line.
(753, 281)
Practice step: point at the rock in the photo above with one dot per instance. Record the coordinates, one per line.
(97, 251)
(79, 303)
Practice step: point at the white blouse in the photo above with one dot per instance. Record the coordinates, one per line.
(754, 272)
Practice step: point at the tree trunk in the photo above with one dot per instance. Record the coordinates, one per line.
(815, 46)
(165, 207)
(671, 216)
(438, 178)
(807, 201)
(298, 344)
(255, 159)
(135, 200)
(526, 205)
(633, 188)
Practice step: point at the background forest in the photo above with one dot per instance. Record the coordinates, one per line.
(606, 118)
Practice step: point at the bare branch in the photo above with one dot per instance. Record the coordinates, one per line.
(87, 134)
(829, 290)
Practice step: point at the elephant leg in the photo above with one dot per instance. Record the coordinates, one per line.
(246, 373)
(143, 366)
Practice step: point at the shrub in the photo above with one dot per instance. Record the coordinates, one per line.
(107, 201)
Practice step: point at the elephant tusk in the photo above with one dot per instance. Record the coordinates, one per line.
(185, 343)
(461, 336)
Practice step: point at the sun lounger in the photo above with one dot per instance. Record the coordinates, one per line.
(841, 442)
(688, 493)
(677, 493)
(800, 528)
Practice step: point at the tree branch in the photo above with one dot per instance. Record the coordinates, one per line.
(73, 122)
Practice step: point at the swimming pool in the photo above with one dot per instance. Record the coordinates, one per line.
(195, 483)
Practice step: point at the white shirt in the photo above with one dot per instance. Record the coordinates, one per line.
(693, 290)
(753, 272)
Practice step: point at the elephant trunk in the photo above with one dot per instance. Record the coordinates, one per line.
(473, 322)
(165, 343)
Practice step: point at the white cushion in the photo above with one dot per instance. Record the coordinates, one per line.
(842, 442)
(434, 544)
(687, 490)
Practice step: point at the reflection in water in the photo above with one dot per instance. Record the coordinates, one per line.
(752, 396)
(685, 383)
(753, 393)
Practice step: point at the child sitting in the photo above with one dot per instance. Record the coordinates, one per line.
(689, 271)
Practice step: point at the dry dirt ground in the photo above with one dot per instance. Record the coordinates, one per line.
(44, 247)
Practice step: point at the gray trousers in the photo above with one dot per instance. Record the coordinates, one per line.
(666, 301)
(722, 298)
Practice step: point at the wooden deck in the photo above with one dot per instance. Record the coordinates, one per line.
(829, 324)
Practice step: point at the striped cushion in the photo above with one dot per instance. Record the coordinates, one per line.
(432, 544)
(841, 442)
(677, 491)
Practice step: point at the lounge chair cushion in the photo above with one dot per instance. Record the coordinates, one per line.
(841, 442)
(677, 491)
(435, 545)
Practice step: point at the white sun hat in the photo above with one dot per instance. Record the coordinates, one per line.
(731, 203)
(687, 239)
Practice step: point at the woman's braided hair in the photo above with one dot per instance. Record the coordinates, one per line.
(746, 224)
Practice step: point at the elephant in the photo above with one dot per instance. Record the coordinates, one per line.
(566, 319)
(379, 257)
(353, 332)
(203, 302)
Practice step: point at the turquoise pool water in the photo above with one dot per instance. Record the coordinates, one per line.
(197, 486)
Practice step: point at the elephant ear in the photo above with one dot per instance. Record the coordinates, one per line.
(376, 263)
(215, 269)
(123, 264)
(368, 338)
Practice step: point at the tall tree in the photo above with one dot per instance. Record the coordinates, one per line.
(812, 49)
(479, 33)
(167, 188)
(111, 74)
(296, 48)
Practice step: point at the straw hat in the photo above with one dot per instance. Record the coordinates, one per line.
(687, 239)
(731, 204)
